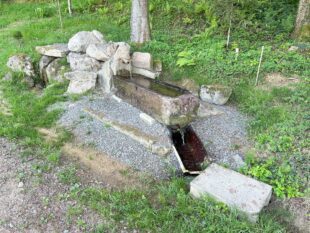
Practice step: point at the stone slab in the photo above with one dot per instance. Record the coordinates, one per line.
(54, 50)
(232, 188)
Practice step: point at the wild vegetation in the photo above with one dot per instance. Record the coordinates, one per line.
(190, 37)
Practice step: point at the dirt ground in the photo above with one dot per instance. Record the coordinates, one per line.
(32, 201)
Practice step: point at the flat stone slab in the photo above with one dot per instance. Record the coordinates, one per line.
(232, 188)
(54, 50)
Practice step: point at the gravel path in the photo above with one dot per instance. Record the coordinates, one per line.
(224, 136)
(33, 202)
(117, 145)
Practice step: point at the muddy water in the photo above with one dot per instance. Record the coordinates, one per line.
(189, 147)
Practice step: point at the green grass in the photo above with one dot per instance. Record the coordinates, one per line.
(279, 118)
(167, 207)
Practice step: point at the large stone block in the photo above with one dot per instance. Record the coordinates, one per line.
(232, 188)
(142, 60)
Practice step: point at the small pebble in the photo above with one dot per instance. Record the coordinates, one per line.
(20, 184)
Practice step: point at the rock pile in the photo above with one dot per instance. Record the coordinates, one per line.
(90, 62)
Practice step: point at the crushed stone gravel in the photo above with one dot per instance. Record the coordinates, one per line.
(225, 136)
(117, 145)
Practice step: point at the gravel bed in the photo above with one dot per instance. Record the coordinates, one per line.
(107, 140)
(224, 136)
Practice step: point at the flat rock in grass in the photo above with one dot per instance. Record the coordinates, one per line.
(81, 40)
(81, 81)
(215, 94)
(22, 64)
(54, 50)
(232, 188)
(83, 62)
(101, 52)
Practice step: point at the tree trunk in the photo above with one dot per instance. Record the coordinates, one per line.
(140, 27)
(70, 7)
(302, 24)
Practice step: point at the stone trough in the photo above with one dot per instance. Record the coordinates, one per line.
(168, 104)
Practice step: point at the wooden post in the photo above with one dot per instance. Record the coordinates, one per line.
(70, 7)
(59, 14)
(259, 65)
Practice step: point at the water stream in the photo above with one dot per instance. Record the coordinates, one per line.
(190, 148)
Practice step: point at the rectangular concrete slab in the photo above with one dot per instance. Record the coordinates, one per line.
(232, 188)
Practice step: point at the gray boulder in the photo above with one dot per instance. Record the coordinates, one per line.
(81, 40)
(23, 64)
(101, 52)
(54, 50)
(215, 94)
(55, 70)
(81, 81)
(83, 62)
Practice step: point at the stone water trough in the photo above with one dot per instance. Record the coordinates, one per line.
(168, 104)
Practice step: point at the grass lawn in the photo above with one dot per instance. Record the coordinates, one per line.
(280, 116)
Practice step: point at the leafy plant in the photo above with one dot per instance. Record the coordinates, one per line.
(275, 172)
(186, 59)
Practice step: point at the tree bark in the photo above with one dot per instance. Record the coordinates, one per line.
(140, 27)
(302, 24)
(70, 7)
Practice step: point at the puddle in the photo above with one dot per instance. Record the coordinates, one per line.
(190, 148)
(156, 86)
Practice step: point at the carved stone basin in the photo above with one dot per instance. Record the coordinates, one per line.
(168, 104)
